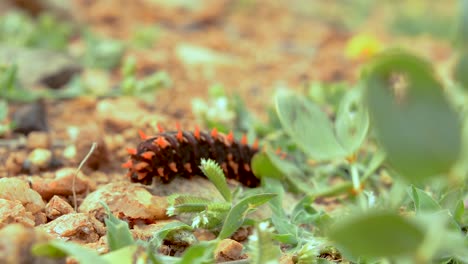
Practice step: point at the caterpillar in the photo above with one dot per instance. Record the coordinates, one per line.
(172, 153)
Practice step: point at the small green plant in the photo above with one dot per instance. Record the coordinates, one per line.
(104, 53)
(217, 112)
(228, 215)
(141, 87)
(17, 29)
(10, 87)
(144, 37)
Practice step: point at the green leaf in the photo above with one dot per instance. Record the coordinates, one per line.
(377, 234)
(48, 250)
(413, 120)
(287, 231)
(276, 203)
(286, 238)
(308, 126)
(304, 205)
(215, 174)
(352, 121)
(186, 204)
(162, 233)
(287, 168)
(201, 253)
(118, 234)
(377, 159)
(263, 167)
(238, 213)
(58, 248)
(462, 30)
(3, 110)
(460, 70)
(423, 201)
(459, 212)
(128, 254)
(262, 248)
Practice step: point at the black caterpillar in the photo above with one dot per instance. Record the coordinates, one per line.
(173, 153)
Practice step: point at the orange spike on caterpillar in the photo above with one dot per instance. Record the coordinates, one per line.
(179, 136)
(140, 166)
(132, 151)
(173, 166)
(230, 137)
(196, 133)
(255, 144)
(244, 139)
(188, 167)
(214, 132)
(160, 128)
(161, 142)
(142, 135)
(127, 165)
(161, 171)
(148, 155)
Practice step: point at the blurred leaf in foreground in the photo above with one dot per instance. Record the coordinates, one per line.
(462, 31)
(460, 73)
(377, 234)
(413, 120)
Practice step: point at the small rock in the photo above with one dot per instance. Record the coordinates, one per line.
(16, 242)
(62, 184)
(31, 117)
(58, 79)
(101, 246)
(15, 189)
(77, 227)
(38, 159)
(40, 218)
(14, 212)
(119, 113)
(130, 202)
(57, 207)
(204, 235)
(228, 250)
(14, 163)
(37, 139)
(242, 233)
